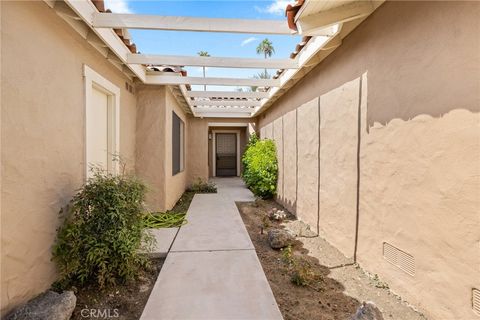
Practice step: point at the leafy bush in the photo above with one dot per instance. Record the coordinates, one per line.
(100, 238)
(201, 186)
(260, 167)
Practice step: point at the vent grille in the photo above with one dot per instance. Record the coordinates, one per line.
(476, 301)
(399, 258)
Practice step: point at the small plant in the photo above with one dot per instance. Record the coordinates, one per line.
(301, 271)
(164, 220)
(287, 255)
(260, 167)
(302, 274)
(378, 283)
(100, 238)
(265, 222)
(201, 186)
(277, 215)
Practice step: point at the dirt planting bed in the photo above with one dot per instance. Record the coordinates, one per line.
(123, 301)
(301, 285)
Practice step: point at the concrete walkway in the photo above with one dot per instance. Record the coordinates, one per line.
(212, 271)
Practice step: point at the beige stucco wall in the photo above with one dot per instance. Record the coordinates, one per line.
(42, 147)
(307, 162)
(290, 161)
(338, 163)
(410, 72)
(175, 185)
(197, 145)
(154, 146)
(278, 138)
(151, 143)
(425, 201)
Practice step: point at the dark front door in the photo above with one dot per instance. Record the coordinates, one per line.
(226, 154)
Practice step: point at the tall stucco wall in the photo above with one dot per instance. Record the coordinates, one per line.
(154, 146)
(307, 162)
(290, 161)
(42, 147)
(175, 184)
(427, 203)
(278, 138)
(197, 146)
(151, 143)
(414, 119)
(338, 163)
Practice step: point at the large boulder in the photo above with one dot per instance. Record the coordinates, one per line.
(368, 311)
(279, 238)
(47, 306)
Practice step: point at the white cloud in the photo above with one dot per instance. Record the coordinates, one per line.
(247, 41)
(118, 6)
(277, 7)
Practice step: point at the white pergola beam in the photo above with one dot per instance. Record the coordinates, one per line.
(221, 114)
(219, 62)
(154, 22)
(226, 94)
(85, 10)
(226, 110)
(177, 80)
(317, 22)
(239, 103)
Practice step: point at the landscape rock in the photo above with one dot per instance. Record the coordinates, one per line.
(278, 238)
(299, 228)
(47, 306)
(368, 311)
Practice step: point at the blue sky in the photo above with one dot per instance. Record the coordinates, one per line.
(217, 44)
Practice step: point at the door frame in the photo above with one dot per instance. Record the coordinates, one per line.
(95, 80)
(214, 150)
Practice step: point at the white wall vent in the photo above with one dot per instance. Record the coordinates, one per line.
(399, 258)
(476, 300)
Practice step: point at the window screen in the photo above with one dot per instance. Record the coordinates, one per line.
(177, 144)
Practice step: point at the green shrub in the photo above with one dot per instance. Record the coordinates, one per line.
(260, 167)
(200, 186)
(100, 238)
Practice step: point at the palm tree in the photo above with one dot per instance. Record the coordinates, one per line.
(266, 47)
(203, 54)
(261, 75)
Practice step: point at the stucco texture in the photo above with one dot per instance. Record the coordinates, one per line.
(174, 184)
(290, 161)
(420, 182)
(43, 138)
(154, 146)
(151, 141)
(308, 164)
(278, 139)
(417, 66)
(269, 131)
(338, 165)
(198, 146)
